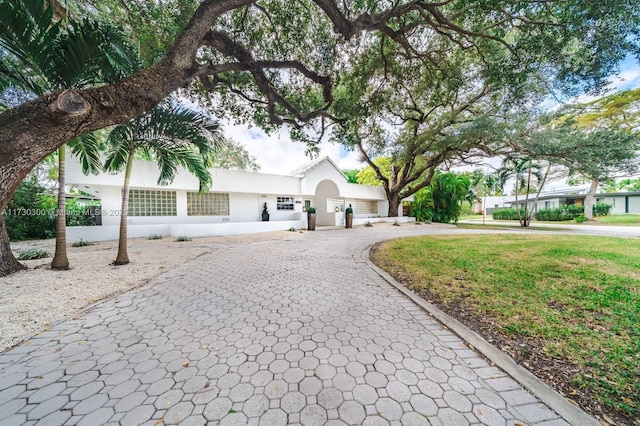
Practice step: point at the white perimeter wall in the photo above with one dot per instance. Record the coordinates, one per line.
(105, 233)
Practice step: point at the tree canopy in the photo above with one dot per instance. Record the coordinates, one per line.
(278, 63)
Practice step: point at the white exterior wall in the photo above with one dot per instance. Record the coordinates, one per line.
(320, 172)
(247, 193)
(634, 204)
(617, 203)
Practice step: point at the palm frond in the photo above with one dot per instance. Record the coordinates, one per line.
(118, 151)
(27, 33)
(41, 55)
(87, 149)
(176, 136)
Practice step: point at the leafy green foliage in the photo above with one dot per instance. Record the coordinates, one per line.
(571, 212)
(506, 214)
(621, 109)
(368, 176)
(155, 237)
(78, 214)
(442, 200)
(311, 210)
(34, 253)
(628, 185)
(31, 213)
(568, 212)
(599, 154)
(182, 238)
(352, 175)
(43, 55)
(81, 243)
(580, 219)
(601, 209)
(171, 134)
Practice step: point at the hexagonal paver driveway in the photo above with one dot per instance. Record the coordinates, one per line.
(296, 330)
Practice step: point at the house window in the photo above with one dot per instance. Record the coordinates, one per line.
(285, 203)
(547, 204)
(338, 205)
(209, 204)
(145, 202)
(365, 207)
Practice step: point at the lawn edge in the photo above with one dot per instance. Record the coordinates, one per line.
(554, 400)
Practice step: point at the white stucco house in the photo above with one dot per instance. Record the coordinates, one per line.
(232, 206)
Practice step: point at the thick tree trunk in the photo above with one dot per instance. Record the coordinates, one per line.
(60, 260)
(394, 202)
(123, 258)
(589, 200)
(8, 263)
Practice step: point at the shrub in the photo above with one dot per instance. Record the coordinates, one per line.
(183, 238)
(155, 237)
(395, 223)
(34, 253)
(81, 243)
(560, 213)
(368, 224)
(311, 210)
(571, 212)
(507, 214)
(580, 219)
(31, 213)
(81, 214)
(601, 209)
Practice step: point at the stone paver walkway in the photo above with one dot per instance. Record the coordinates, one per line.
(297, 331)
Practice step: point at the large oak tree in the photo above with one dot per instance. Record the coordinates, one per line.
(275, 62)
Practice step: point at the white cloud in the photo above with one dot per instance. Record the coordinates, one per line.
(278, 154)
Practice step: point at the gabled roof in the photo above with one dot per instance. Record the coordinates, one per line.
(305, 168)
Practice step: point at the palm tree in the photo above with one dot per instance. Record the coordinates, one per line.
(172, 135)
(44, 54)
(524, 170)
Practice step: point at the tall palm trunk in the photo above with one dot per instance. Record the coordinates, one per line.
(123, 257)
(60, 260)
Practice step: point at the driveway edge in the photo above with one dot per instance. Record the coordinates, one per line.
(563, 407)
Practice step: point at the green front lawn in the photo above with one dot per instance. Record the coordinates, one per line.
(578, 297)
(620, 219)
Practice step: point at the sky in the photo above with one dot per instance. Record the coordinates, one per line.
(277, 154)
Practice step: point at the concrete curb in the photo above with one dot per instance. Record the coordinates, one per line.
(569, 412)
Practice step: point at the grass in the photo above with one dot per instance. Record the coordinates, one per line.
(499, 226)
(616, 219)
(580, 295)
(620, 219)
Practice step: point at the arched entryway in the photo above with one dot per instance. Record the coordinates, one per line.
(326, 192)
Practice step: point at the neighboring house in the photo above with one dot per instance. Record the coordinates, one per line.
(232, 206)
(488, 204)
(621, 202)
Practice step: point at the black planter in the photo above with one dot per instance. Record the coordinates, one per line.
(265, 217)
(348, 220)
(311, 221)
